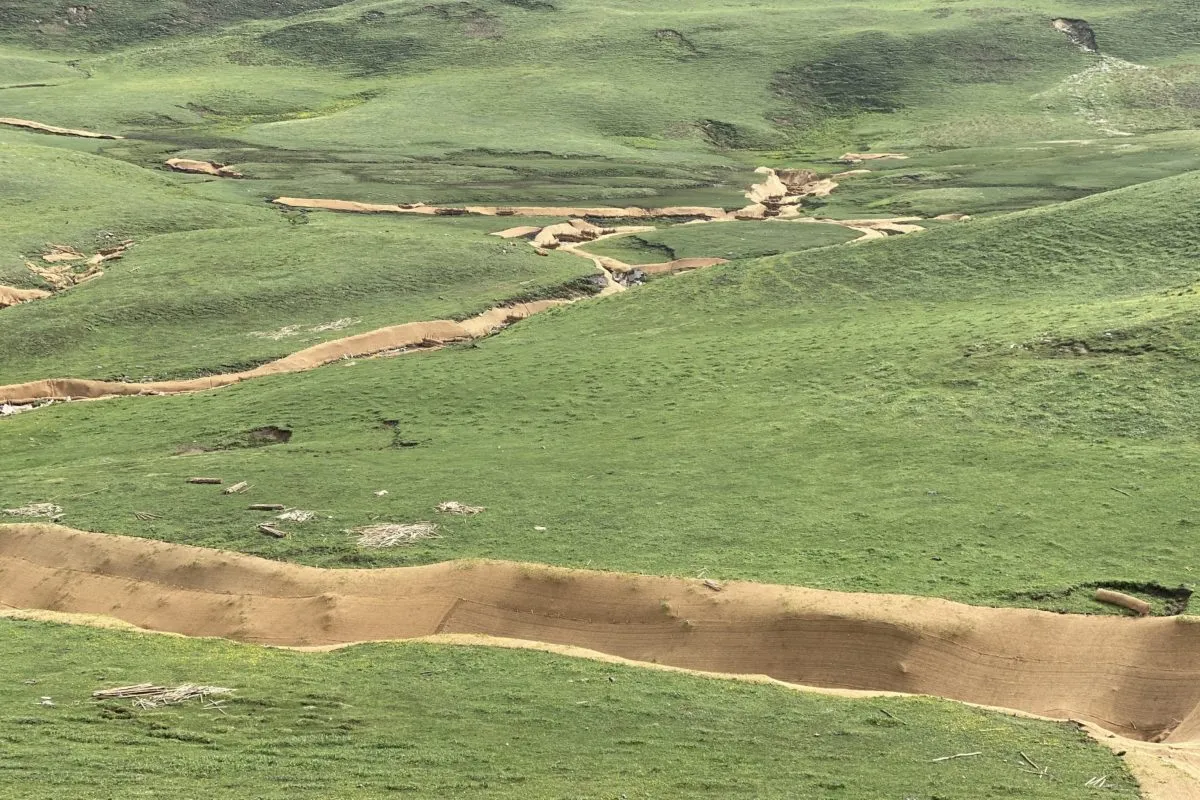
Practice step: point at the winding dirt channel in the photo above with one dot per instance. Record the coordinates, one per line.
(28, 124)
(1138, 678)
(598, 212)
(394, 337)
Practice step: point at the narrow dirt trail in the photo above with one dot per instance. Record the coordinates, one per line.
(394, 337)
(43, 128)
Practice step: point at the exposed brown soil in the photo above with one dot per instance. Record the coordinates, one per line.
(1139, 678)
(65, 271)
(202, 168)
(672, 267)
(409, 334)
(597, 212)
(38, 126)
(62, 252)
(11, 296)
(858, 158)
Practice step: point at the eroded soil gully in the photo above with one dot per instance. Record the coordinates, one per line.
(389, 339)
(410, 334)
(1139, 678)
(43, 128)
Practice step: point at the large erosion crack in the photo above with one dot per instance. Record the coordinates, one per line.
(1139, 678)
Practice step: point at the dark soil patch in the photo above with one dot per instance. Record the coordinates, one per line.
(260, 437)
(723, 134)
(256, 437)
(333, 44)
(674, 37)
(1169, 602)
(1078, 32)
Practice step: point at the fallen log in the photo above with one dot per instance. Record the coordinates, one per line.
(1134, 604)
(212, 481)
(237, 488)
(271, 530)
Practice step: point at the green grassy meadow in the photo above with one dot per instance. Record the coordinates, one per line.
(908, 415)
(200, 302)
(732, 240)
(422, 720)
(999, 411)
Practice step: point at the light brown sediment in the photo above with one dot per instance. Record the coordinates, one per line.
(599, 212)
(62, 274)
(383, 340)
(410, 334)
(11, 296)
(1129, 681)
(1134, 677)
(38, 126)
(858, 158)
(678, 265)
(202, 168)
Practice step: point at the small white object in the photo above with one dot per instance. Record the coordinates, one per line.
(539, 527)
(381, 492)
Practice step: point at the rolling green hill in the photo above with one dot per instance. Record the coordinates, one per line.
(973, 396)
(998, 411)
(418, 719)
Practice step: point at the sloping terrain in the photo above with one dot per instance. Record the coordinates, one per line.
(381, 720)
(904, 415)
(1032, 661)
(986, 398)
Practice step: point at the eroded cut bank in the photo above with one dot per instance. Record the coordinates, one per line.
(1138, 678)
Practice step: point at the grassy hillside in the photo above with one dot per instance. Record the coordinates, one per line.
(975, 412)
(1000, 411)
(513, 101)
(64, 195)
(381, 720)
(726, 240)
(206, 301)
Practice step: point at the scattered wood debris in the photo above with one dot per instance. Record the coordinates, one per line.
(455, 507)
(147, 695)
(956, 755)
(35, 510)
(711, 584)
(1041, 772)
(271, 530)
(237, 488)
(297, 515)
(391, 535)
(1134, 604)
(266, 507)
(211, 481)
(144, 516)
